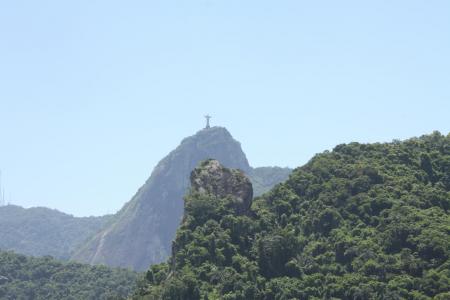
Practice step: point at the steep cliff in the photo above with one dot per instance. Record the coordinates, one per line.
(141, 233)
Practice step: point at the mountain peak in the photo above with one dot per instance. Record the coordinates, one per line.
(215, 143)
(145, 227)
(213, 132)
(215, 128)
(141, 233)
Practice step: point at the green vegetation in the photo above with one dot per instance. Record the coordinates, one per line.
(41, 231)
(365, 221)
(24, 277)
(154, 212)
(141, 233)
(265, 178)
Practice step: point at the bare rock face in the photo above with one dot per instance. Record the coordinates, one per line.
(141, 233)
(214, 179)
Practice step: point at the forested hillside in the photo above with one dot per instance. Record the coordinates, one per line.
(264, 178)
(364, 221)
(40, 231)
(44, 278)
(141, 233)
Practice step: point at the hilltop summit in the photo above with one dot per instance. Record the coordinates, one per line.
(141, 233)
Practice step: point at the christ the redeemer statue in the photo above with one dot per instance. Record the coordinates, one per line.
(208, 117)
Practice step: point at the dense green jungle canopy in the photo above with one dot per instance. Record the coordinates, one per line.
(40, 231)
(364, 221)
(30, 278)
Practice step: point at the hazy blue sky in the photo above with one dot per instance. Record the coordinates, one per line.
(94, 93)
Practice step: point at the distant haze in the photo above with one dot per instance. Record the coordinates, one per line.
(94, 93)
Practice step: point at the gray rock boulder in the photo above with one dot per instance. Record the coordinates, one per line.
(214, 179)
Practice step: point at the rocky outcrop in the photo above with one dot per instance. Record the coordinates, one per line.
(141, 233)
(214, 179)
